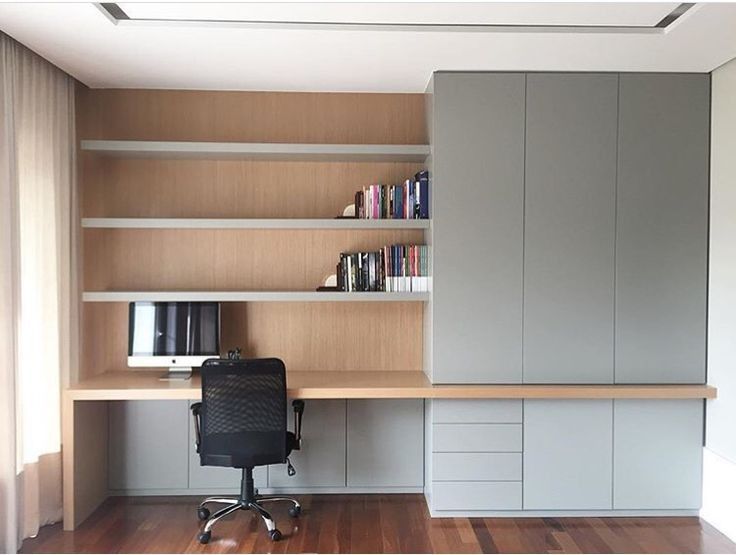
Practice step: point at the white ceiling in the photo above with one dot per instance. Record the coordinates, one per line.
(83, 41)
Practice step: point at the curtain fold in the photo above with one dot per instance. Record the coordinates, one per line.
(37, 285)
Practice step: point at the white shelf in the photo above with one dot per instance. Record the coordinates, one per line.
(238, 223)
(259, 151)
(250, 296)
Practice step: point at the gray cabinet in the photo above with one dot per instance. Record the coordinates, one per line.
(475, 455)
(321, 461)
(148, 445)
(477, 220)
(569, 229)
(658, 454)
(662, 228)
(568, 454)
(385, 443)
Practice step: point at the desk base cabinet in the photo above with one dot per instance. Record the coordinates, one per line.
(349, 446)
(564, 457)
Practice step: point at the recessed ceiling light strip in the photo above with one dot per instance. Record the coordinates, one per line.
(118, 16)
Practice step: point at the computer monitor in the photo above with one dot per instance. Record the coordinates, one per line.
(177, 335)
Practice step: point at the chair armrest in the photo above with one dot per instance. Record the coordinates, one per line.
(298, 413)
(196, 409)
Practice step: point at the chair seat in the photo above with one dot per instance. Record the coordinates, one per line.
(223, 449)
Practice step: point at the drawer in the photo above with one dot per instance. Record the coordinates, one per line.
(500, 467)
(470, 438)
(476, 411)
(476, 496)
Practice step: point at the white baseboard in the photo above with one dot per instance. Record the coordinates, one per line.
(564, 513)
(719, 493)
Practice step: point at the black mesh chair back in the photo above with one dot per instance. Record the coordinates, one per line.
(243, 413)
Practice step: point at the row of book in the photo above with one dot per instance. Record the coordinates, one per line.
(394, 268)
(409, 201)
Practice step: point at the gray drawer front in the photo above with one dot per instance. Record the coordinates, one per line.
(476, 496)
(476, 467)
(476, 410)
(476, 438)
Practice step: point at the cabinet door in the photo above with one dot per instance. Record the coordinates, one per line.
(321, 461)
(569, 229)
(148, 445)
(567, 454)
(477, 189)
(385, 443)
(658, 454)
(662, 228)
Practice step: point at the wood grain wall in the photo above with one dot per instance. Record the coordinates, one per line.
(308, 336)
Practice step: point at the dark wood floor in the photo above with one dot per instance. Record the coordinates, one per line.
(368, 524)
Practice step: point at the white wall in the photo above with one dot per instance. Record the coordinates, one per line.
(719, 484)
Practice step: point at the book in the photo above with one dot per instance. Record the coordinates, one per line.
(407, 201)
(393, 268)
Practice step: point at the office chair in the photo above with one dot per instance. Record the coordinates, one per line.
(241, 423)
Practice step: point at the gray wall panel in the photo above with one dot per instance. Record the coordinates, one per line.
(662, 228)
(569, 233)
(321, 461)
(658, 454)
(148, 445)
(478, 159)
(385, 442)
(568, 451)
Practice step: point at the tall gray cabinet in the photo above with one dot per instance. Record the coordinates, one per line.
(477, 122)
(662, 231)
(569, 227)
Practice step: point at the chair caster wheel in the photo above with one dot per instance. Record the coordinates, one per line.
(295, 511)
(275, 535)
(204, 537)
(203, 513)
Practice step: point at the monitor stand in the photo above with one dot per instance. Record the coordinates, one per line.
(179, 373)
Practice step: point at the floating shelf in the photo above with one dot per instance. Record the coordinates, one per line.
(259, 151)
(239, 223)
(250, 296)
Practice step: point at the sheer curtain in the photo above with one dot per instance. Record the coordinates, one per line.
(37, 286)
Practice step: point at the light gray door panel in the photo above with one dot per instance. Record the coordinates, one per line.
(321, 461)
(478, 185)
(568, 448)
(469, 438)
(658, 454)
(481, 411)
(148, 445)
(662, 228)
(385, 443)
(476, 496)
(569, 234)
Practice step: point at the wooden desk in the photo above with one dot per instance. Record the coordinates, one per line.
(85, 410)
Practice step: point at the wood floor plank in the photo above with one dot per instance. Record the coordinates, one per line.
(367, 524)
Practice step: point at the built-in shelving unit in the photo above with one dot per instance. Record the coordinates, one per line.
(244, 223)
(260, 151)
(251, 296)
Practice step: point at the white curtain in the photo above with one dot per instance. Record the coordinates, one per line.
(37, 291)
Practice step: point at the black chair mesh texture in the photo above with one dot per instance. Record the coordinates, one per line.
(243, 412)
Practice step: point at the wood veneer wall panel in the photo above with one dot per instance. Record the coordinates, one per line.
(120, 187)
(307, 336)
(328, 336)
(186, 259)
(263, 117)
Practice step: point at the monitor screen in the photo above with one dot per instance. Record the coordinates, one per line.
(173, 329)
